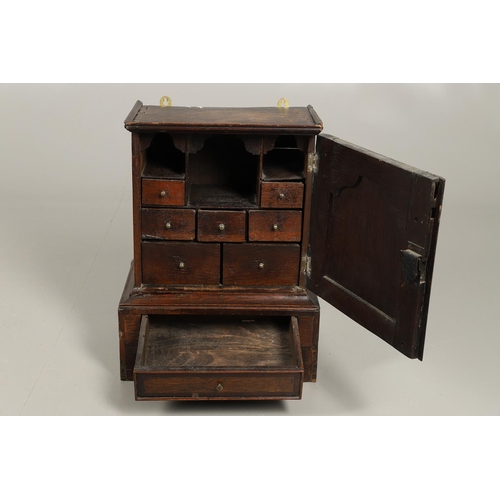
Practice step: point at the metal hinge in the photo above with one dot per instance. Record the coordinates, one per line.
(307, 265)
(312, 162)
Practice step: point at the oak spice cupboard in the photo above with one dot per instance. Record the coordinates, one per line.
(242, 217)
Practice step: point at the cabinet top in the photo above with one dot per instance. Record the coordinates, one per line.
(303, 120)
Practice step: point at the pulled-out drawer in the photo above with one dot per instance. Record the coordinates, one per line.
(218, 357)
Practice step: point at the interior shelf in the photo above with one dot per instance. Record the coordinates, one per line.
(212, 196)
(223, 173)
(285, 162)
(163, 160)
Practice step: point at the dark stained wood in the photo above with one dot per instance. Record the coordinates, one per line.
(366, 229)
(162, 192)
(260, 264)
(191, 263)
(274, 225)
(129, 321)
(283, 169)
(214, 341)
(367, 210)
(200, 386)
(218, 358)
(223, 173)
(254, 301)
(253, 143)
(282, 195)
(133, 112)
(297, 120)
(222, 225)
(168, 224)
(207, 196)
(314, 115)
(311, 153)
(310, 357)
(165, 156)
(137, 167)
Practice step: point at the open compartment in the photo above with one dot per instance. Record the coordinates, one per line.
(223, 174)
(285, 162)
(218, 357)
(163, 159)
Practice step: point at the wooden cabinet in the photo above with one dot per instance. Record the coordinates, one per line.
(241, 217)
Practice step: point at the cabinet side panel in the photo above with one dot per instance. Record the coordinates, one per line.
(129, 324)
(307, 215)
(136, 206)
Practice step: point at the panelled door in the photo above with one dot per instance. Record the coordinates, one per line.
(373, 240)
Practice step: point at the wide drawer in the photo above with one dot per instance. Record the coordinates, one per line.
(168, 263)
(260, 264)
(218, 225)
(168, 224)
(282, 195)
(162, 192)
(218, 357)
(274, 225)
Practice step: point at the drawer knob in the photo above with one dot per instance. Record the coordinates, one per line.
(222, 227)
(163, 193)
(168, 225)
(281, 196)
(261, 265)
(182, 265)
(219, 387)
(275, 227)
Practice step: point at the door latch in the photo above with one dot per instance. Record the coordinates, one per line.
(411, 264)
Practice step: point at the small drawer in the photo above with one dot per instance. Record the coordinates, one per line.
(216, 225)
(260, 264)
(274, 225)
(162, 192)
(218, 357)
(167, 263)
(168, 224)
(282, 195)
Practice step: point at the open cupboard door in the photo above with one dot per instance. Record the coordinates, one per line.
(374, 225)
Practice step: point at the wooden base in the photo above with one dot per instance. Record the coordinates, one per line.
(227, 301)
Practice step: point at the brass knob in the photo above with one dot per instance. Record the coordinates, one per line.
(219, 387)
(261, 265)
(168, 225)
(281, 196)
(275, 227)
(222, 227)
(163, 194)
(182, 265)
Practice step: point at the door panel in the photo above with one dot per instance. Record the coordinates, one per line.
(372, 240)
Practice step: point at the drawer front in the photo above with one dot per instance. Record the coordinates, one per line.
(218, 386)
(282, 195)
(161, 192)
(218, 357)
(260, 264)
(274, 225)
(165, 263)
(168, 224)
(216, 225)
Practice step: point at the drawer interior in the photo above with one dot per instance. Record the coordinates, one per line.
(218, 357)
